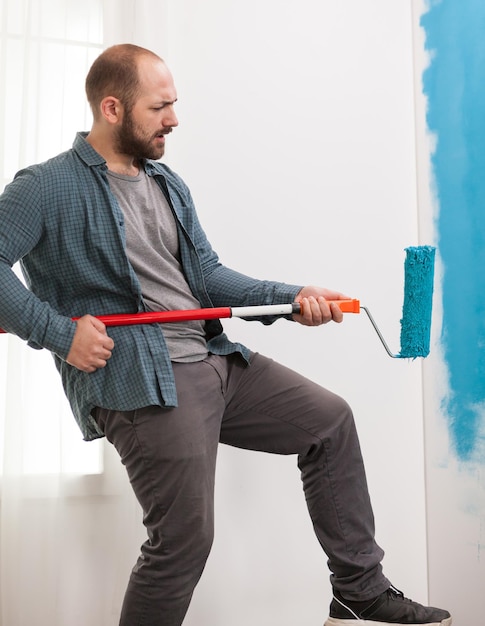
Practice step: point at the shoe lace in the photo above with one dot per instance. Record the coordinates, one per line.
(392, 591)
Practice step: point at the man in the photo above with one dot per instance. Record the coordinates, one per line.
(105, 228)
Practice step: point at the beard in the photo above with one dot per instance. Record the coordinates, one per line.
(132, 140)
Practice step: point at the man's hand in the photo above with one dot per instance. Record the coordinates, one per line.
(91, 346)
(316, 308)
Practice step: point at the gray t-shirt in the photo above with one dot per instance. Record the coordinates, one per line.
(153, 250)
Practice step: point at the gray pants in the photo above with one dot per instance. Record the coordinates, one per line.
(170, 457)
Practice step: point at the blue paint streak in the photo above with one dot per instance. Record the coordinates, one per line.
(455, 88)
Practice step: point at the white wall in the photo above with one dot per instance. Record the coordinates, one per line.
(297, 139)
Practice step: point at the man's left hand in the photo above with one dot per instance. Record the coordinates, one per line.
(318, 306)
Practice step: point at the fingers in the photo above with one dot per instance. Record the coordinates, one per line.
(99, 358)
(317, 311)
(91, 347)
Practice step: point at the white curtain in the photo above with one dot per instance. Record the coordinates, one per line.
(60, 557)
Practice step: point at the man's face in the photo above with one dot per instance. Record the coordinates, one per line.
(144, 128)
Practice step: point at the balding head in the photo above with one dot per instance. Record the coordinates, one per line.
(115, 73)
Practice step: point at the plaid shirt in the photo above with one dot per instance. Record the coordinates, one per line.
(62, 222)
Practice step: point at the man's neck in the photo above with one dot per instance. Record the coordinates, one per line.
(116, 162)
(124, 169)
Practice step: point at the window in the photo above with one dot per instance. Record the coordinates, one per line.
(46, 49)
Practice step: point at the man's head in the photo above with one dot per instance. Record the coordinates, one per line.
(131, 93)
(115, 73)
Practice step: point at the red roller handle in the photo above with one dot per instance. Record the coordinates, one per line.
(154, 317)
(157, 317)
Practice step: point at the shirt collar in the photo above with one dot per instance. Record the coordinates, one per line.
(86, 152)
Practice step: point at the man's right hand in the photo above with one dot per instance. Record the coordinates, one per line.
(91, 347)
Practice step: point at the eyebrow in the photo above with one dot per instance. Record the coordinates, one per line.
(166, 102)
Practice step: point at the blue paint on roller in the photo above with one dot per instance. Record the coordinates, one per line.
(418, 301)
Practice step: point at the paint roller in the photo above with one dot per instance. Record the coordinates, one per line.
(417, 306)
(415, 322)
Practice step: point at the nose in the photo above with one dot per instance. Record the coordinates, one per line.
(171, 118)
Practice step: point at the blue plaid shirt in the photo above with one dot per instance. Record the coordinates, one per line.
(62, 222)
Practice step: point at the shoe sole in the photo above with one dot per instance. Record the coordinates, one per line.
(332, 621)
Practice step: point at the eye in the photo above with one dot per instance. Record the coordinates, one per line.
(162, 106)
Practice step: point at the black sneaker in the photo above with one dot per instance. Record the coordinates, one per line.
(390, 608)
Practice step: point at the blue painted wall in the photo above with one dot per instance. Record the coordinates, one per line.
(454, 85)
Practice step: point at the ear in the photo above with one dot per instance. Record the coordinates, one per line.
(111, 109)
